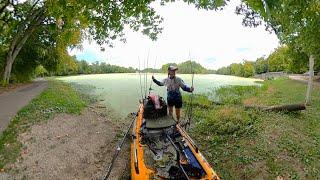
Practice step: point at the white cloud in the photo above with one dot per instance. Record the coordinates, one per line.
(214, 39)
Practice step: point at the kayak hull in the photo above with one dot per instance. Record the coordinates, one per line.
(139, 170)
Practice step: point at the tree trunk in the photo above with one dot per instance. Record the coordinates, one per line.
(279, 108)
(11, 56)
(9, 62)
(7, 70)
(310, 82)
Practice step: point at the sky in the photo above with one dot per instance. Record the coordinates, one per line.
(211, 38)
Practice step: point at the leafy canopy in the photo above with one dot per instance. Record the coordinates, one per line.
(296, 22)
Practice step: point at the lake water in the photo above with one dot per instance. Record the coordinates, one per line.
(122, 92)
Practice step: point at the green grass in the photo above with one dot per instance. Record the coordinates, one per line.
(236, 94)
(252, 144)
(59, 97)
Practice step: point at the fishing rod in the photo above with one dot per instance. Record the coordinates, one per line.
(191, 97)
(154, 68)
(118, 149)
(178, 157)
(146, 80)
(140, 80)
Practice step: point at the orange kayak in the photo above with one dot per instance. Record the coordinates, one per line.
(161, 149)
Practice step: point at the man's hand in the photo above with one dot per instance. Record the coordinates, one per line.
(152, 77)
(191, 89)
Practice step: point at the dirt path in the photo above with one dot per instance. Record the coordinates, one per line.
(304, 79)
(12, 101)
(70, 147)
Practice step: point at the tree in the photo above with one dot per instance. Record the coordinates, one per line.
(189, 67)
(279, 59)
(298, 61)
(83, 67)
(261, 65)
(186, 67)
(236, 69)
(102, 21)
(40, 71)
(245, 69)
(296, 23)
(14, 34)
(38, 50)
(248, 68)
(67, 65)
(164, 68)
(224, 71)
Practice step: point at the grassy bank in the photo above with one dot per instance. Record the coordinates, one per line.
(251, 144)
(59, 97)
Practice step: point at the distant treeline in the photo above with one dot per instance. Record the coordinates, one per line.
(83, 67)
(187, 67)
(74, 67)
(36, 63)
(283, 59)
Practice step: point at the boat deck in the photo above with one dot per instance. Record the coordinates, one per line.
(162, 122)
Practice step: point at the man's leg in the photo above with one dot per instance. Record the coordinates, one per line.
(178, 113)
(178, 106)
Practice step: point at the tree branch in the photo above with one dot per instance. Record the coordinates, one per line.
(30, 16)
(27, 34)
(4, 7)
(17, 43)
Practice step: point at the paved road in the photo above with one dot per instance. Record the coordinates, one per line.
(11, 102)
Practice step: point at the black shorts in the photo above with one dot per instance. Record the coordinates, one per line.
(176, 102)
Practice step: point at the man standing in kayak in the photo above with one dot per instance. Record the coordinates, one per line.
(173, 84)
